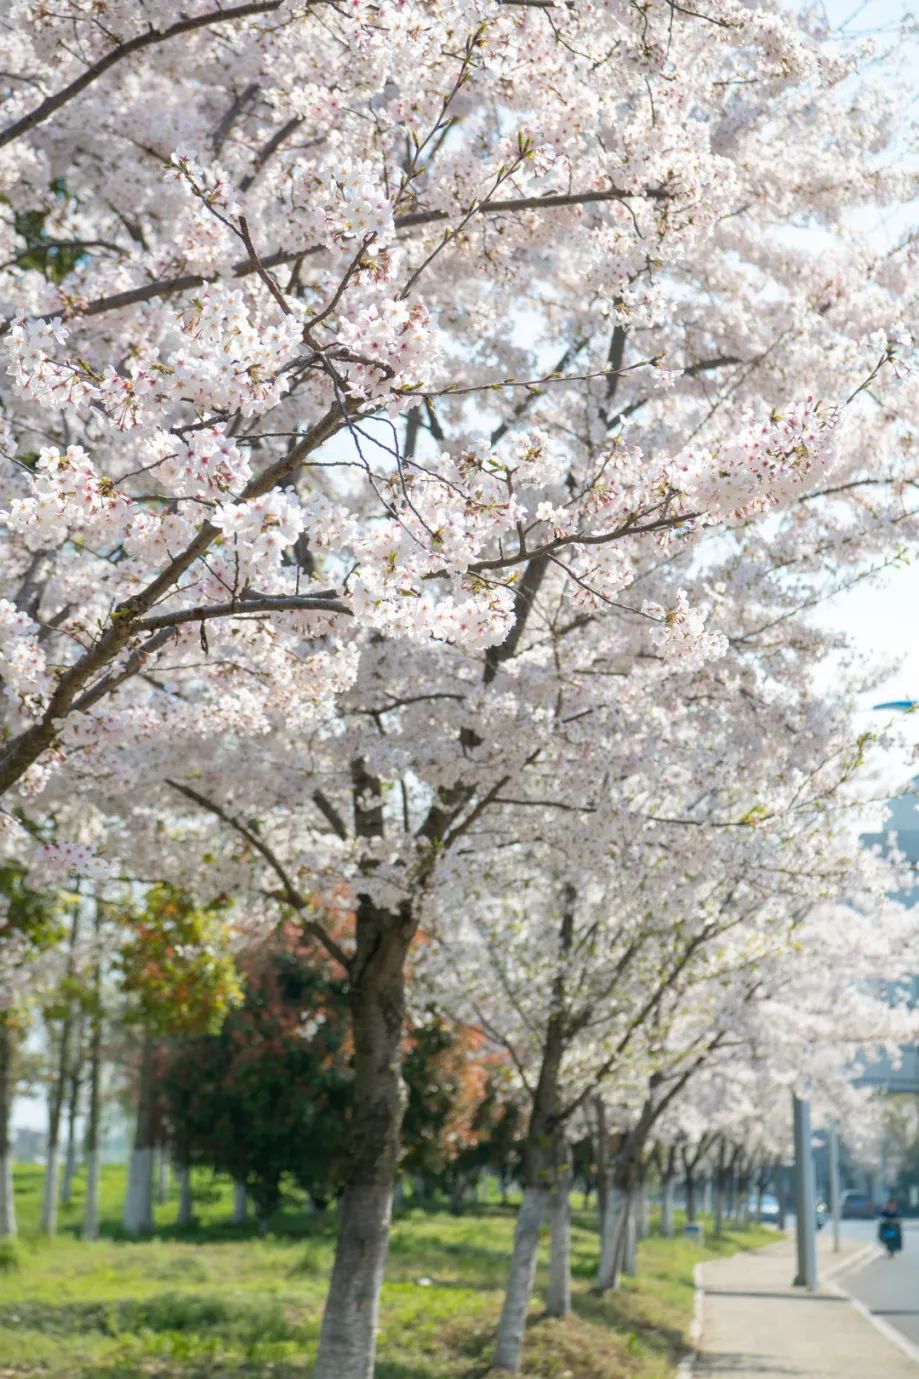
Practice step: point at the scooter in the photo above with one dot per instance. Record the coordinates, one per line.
(890, 1236)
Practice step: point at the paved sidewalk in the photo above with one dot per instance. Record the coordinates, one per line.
(754, 1323)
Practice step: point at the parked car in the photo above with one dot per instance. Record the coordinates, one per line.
(857, 1206)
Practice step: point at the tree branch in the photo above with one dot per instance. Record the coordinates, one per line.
(291, 895)
(51, 104)
(259, 603)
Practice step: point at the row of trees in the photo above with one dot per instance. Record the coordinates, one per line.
(259, 1088)
(428, 436)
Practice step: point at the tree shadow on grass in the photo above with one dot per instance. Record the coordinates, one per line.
(237, 1321)
(621, 1312)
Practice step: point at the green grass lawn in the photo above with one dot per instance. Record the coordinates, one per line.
(224, 1303)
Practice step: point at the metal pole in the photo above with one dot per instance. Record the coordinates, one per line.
(805, 1197)
(834, 1182)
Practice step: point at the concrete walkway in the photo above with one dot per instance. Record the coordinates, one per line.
(754, 1323)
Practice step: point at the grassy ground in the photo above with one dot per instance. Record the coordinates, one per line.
(221, 1303)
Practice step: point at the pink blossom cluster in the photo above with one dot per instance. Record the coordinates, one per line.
(67, 495)
(680, 636)
(23, 665)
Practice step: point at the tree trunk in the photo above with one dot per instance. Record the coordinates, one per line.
(50, 1184)
(7, 1083)
(602, 1163)
(692, 1197)
(186, 1213)
(558, 1298)
(347, 1341)
(74, 1086)
(643, 1212)
(541, 1167)
(94, 1110)
(630, 1235)
(611, 1240)
(667, 1193)
(56, 1096)
(720, 1184)
(162, 1176)
(138, 1204)
(240, 1205)
(520, 1279)
(744, 1185)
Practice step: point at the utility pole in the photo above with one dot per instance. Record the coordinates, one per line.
(834, 1182)
(805, 1197)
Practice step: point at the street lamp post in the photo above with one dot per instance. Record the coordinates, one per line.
(834, 1182)
(805, 1197)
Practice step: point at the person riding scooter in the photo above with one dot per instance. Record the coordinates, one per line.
(889, 1231)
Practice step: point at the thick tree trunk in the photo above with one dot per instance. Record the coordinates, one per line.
(520, 1279)
(240, 1203)
(558, 1298)
(611, 1239)
(347, 1341)
(7, 1083)
(138, 1204)
(94, 1109)
(186, 1212)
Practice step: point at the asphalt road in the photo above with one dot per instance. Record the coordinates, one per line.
(888, 1287)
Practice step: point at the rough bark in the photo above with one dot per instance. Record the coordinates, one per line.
(138, 1204)
(347, 1341)
(7, 1083)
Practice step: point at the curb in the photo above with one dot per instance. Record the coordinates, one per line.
(865, 1255)
(686, 1367)
(890, 1333)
